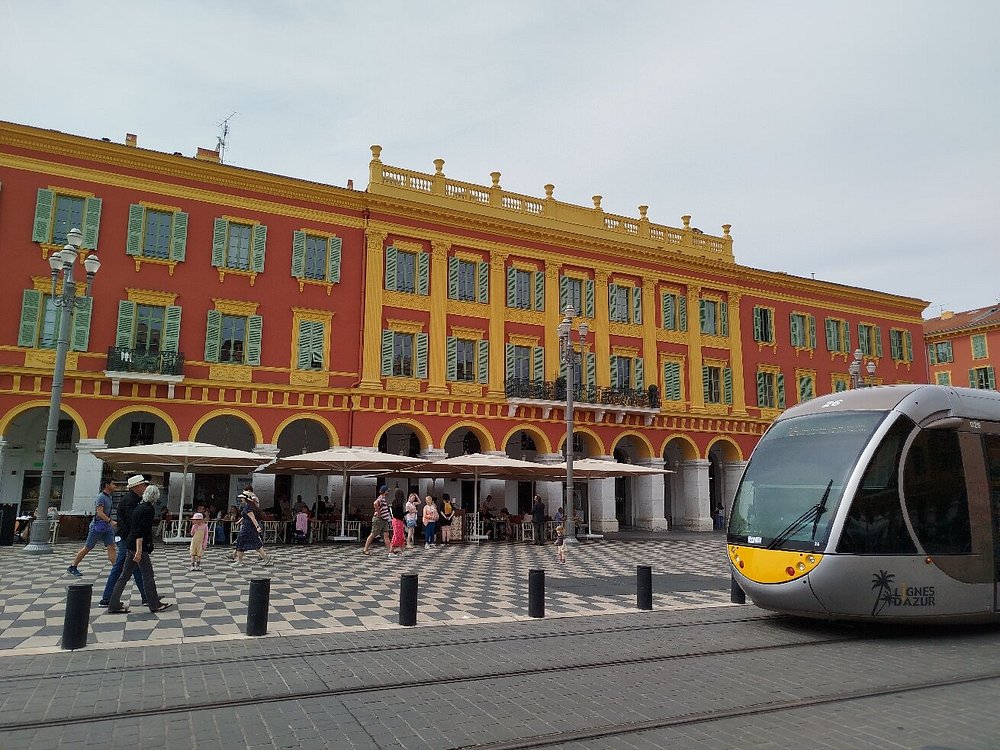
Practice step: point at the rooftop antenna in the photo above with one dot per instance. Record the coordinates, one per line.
(224, 125)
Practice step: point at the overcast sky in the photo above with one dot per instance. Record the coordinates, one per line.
(855, 141)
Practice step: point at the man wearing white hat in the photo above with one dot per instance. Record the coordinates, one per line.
(136, 484)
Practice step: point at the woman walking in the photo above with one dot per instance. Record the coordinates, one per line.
(430, 521)
(251, 530)
(447, 514)
(411, 517)
(398, 510)
(139, 545)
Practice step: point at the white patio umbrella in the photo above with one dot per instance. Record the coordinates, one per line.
(596, 468)
(488, 466)
(347, 462)
(186, 456)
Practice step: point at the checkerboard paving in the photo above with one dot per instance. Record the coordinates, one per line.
(324, 587)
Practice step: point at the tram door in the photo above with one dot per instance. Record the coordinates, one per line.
(991, 444)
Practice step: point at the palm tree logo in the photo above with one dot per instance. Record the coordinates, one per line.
(883, 582)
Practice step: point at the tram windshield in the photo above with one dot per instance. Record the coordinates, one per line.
(796, 477)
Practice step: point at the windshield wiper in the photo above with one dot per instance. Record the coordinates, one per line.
(811, 515)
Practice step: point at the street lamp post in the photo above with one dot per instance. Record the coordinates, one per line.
(855, 369)
(569, 359)
(66, 302)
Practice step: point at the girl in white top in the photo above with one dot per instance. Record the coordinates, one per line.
(411, 517)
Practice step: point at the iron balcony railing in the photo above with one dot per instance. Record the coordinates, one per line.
(544, 390)
(125, 359)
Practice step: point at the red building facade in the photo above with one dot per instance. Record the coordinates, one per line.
(419, 316)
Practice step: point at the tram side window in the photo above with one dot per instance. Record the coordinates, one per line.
(874, 525)
(934, 489)
(991, 445)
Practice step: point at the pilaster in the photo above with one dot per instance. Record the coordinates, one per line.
(696, 392)
(602, 318)
(371, 364)
(650, 364)
(736, 356)
(553, 315)
(438, 329)
(498, 300)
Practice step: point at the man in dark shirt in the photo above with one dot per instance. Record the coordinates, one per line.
(135, 484)
(140, 544)
(538, 519)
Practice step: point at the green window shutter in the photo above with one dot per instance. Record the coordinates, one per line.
(259, 246)
(31, 307)
(727, 385)
(179, 236)
(219, 232)
(950, 354)
(972, 378)
(588, 302)
(388, 338)
(452, 349)
(172, 328)
(682, 311)
(483, 357)
(453, 277)
(508, 361)
(91, 222)
(591, 369)
(978, 346)
(335, 248)
(423, 275)
(305, 344)
(42, 228)
(672, 381)
(811, 322)
(640, 380)
(932, 354)
(213, 331)
(80, 337)
(878, 341)
(991, 380)
(613, 367)
(793, 329)
(613, 303)
(667, 311)
(126, 319)
(762, 389)
(483, 289)
(702, 315)
(537, 364)
(539, 290)
(133, 240)
(847, 337)
(863, 339)
(563, 293)
(636, 305)
(757, 332)
(255, 325)
(894, 343)
(511, 286)
(390, 269)
(781, 391)
(421, 356)
(724, 317)
(704, 381)
(805, 388)
(908, 346)
(298, 254)
(831, 335)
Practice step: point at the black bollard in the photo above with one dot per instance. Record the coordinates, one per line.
(736, 594)
(536, 593)
(260, 594)
(77, 621)
(408, 599)
(644, 587)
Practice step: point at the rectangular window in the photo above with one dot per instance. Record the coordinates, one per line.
(522, 289)
(763, 325)
(806, 387)
(979, 346)
(940, 352)
(467, 281)
(618, 303)
(148, 328)
(402, 354)
(900, 345)
(316, 262)
(574, 295)
(406, 271)
(156, 239)
(465, 360)
(714, 315)
(870, 339)
(840, 383)
(316, 257)
(803, 330)
(522, 362)
(982, 378)
(56, 214)
(838, 336)
(770, 389)
(232, 339)
(942, 378)
(69, 214)
(141, 433)
(312, 343)
(64, 433)
(157, 234)
(621, 375)
(670, 311)
(672, 381)
(48, 329)
(713, 384)
(238, 247)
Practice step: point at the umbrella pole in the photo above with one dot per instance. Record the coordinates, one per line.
(590, 521)
(178, 537)
(343, 512)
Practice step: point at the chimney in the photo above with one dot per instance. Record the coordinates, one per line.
(947, 314)
(350, 184)
(207, 154)
(131, 140)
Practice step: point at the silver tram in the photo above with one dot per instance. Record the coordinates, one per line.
(877, 504)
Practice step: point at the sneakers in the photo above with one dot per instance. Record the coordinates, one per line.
(194, 568)
(427, 546)
(74, 572)
(267, 561)
(103, 603)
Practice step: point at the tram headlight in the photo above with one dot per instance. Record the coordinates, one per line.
(801, 567)
(811, 559)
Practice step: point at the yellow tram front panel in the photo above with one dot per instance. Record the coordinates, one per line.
(772, 565)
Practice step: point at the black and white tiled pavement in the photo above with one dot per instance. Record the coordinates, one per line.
(326, 587)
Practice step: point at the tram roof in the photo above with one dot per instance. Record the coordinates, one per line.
(922, 403)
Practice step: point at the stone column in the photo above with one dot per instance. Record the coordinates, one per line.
(698, 516)
(263, 484)
(425, 486)
(647, 498)
(732, 471)
(371, 365)
(87, 480)
(4, 481)
(551, 491)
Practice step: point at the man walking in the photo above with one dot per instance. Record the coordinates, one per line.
(381, 520)
(135, 485)
(102, 529)
(139, 545)
(538, 519)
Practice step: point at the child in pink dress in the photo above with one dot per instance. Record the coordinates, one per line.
(199, 539)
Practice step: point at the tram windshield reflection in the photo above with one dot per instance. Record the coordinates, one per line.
(799, 471)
